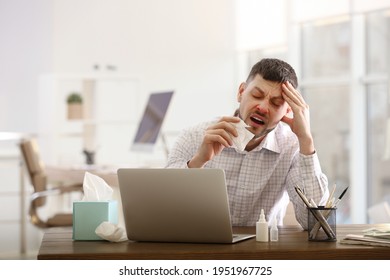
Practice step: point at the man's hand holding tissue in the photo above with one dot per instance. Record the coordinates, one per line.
(227, 132)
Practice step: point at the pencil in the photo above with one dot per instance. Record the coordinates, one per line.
(330, 196)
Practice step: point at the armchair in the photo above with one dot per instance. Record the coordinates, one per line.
(41, 191)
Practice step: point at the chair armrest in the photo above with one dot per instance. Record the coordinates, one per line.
(57, 191)
(70, 188)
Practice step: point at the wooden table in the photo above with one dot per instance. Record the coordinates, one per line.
(293, 244)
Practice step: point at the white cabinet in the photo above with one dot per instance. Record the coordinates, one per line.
(112, 105)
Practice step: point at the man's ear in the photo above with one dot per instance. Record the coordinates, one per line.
(241, 90)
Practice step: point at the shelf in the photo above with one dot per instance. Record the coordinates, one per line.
(111, 104)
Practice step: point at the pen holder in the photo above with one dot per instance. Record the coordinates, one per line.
(322, 224)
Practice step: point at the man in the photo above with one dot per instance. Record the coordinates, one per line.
(276, 160)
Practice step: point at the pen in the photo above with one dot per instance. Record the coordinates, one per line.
(340, 197)
(329, 202)
(312, 203)
(302, 196)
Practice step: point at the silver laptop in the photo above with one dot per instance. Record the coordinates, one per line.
(176, 205)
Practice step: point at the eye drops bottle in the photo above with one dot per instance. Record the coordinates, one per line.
(262, 228)
(274, 232)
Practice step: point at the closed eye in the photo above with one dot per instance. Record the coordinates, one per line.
(257, 93)
(277, 101)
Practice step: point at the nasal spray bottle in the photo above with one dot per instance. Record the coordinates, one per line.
(274, 232)
(262, 228)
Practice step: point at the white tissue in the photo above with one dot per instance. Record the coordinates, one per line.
(244, 136)
(111, 232)
(95, 188)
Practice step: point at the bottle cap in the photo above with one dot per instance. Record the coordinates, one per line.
(262, 216)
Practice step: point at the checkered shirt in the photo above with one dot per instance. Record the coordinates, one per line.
(264, 178)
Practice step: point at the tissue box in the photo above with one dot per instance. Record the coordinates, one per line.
(88, 215)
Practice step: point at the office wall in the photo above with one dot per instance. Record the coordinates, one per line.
(185, 46)
(188, 46)
(25, 52)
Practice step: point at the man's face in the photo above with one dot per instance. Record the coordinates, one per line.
(261, 105)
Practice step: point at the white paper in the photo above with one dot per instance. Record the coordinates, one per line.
(244, 136)
(111, 232)
(95, 188)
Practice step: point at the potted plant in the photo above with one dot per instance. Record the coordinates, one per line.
(75, 106)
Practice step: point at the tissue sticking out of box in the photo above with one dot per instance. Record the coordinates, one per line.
(244, 136)
(95, 188)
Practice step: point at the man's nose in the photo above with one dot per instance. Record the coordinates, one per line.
(262, 107)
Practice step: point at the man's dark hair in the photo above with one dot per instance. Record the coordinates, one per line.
(275, 70)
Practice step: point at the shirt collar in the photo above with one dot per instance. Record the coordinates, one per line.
(270, 142)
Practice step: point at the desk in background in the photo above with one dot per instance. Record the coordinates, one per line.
(293, 244)
(65, 174)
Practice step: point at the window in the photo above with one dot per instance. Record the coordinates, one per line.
(377, 38)
(329, 118)
(325, 58)
(325, 48)
(344, 73)
(378, 106)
